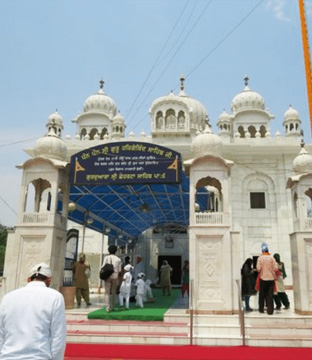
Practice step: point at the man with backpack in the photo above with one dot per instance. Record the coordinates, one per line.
(111, 283)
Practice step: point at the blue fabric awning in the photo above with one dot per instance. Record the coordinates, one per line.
(129, 210)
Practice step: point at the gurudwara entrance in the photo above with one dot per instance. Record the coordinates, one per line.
(182, 193)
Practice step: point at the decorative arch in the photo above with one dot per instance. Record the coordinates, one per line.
(170, 119)
(308, 195)
(252, 131)
(103, 133)
(159, 120)
(83, 133)
(258, 183)
(262, 131)
(208, 195)
(41, 202)
(181, 120)
(241, 131)
(92, 133)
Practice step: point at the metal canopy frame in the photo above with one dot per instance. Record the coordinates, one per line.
(128, 210)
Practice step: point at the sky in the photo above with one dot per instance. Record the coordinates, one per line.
(55, 52)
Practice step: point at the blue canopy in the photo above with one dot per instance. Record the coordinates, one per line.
(128, 210)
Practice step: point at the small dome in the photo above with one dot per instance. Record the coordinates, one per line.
(118, 119)
(291, 114)
(303, 162)
(51, 146)
(206, 142)
(224, 117)
(100, 102)
(247, 100)
(196, 111)
(55, 119)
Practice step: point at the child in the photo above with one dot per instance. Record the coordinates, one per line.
(148, 294)
(140, 284)
(125, 286)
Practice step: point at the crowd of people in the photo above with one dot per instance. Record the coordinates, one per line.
(265, 278)
(32, 318)
(262, 276)
(130, 283)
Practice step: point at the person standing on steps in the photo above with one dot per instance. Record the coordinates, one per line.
(111, 283)
(266, 267)
(165, 278)
(185, 288)
(248, 282)
(281, 296)
(81, 280)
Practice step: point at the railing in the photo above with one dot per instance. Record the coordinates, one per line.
(208, 218)
(191, 312)
(241, 312)
(41, 218)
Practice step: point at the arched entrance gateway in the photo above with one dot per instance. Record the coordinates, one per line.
(181, 193)
(137, 194)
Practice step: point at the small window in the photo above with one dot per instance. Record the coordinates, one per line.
(257, 200)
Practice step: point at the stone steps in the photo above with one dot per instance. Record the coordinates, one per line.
(282, 329)
(126, 332)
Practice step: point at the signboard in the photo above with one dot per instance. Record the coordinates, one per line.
(125, 163)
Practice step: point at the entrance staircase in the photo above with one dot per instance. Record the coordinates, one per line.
(282, 329)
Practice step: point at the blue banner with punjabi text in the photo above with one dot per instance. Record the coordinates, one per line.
(125, 163)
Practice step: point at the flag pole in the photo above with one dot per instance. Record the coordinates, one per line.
(306, 54)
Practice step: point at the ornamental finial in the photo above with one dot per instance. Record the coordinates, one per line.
(246, 79)
(182, 78)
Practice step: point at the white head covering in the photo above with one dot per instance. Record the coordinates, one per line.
(128, 267)
(141, 275)
(42, 269)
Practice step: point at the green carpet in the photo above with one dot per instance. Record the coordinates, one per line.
(151, 311)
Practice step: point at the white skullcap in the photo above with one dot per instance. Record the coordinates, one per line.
(42, 269)
(140, 275)
(128, 267)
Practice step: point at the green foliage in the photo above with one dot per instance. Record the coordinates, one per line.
(3, 241)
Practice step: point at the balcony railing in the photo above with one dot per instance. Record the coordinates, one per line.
(210, 218)
(43, 218)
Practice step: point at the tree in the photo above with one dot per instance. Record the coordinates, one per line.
(3, 241)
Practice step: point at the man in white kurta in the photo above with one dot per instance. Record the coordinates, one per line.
(111, 283)
(32, 320)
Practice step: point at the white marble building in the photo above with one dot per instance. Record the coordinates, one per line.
(246, 186)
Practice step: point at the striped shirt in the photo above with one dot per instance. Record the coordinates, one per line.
(266, 266)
